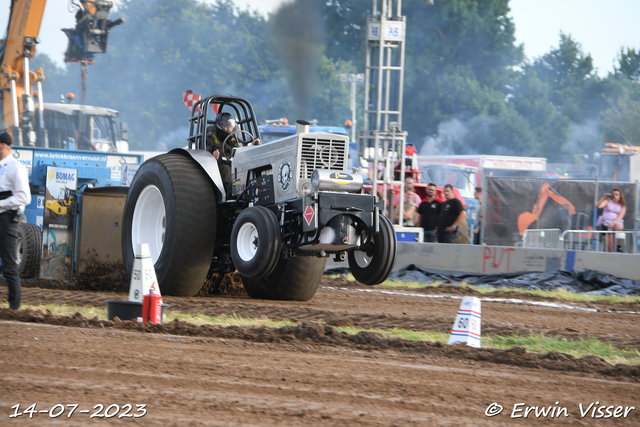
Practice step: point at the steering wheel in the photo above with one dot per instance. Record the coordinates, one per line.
(227, 150)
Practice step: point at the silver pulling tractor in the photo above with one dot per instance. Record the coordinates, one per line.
(292, 204)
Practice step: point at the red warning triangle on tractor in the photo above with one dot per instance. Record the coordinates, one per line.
(308, 214)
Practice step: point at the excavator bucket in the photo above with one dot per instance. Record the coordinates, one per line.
(91, 33)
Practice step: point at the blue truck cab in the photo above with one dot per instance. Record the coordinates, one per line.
(273, 130)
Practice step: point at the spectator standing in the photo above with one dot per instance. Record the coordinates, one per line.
(14, 196)
(416, 198)
(409, 207)
(451, 216)
(428, 214)
(476, 230)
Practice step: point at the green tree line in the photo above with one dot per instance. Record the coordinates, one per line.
(468, 88)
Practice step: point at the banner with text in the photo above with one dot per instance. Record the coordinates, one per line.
(58, 222)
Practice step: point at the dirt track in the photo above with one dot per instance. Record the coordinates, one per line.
(311, 374)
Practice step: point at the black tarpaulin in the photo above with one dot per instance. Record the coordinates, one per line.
(585, 281)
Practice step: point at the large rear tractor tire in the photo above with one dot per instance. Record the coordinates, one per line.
(255, 242)
(29, 250)
(171, 206)
(373, 266)
(294, 279)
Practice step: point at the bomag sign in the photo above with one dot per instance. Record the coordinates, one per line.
(66, 176)
(60, 176)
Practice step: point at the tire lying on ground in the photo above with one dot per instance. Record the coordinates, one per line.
(373, 266)
(29, 250)
(171, 206)
(294, 278)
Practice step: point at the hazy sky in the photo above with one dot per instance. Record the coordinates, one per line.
(601, 27)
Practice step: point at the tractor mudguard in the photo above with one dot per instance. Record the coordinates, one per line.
(210, 165)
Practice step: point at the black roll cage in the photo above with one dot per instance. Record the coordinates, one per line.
(199, 120)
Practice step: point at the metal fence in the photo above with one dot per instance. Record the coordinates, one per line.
(583, 240)
(548, 238)
(601, 241)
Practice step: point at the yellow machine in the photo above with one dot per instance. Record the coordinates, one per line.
(63, 205)
(16, 80)
(18, 49)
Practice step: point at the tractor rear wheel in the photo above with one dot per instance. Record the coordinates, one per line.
(171, 206)
(294, 278)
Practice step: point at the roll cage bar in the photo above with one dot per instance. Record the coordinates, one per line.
(200, 121)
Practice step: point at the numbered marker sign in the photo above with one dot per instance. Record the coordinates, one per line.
(143, 274)
(391, 30)
(466, 328)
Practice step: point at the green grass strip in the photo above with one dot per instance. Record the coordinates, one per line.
(541, 343)
(535, 343)
(559, 293)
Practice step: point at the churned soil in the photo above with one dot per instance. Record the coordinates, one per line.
(310, 373)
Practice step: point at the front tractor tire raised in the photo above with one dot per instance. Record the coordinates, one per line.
(255, 242)
(294, 279)
(171, 206)
(373, 265)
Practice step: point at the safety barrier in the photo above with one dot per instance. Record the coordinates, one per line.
(548, 238)
(598, 241)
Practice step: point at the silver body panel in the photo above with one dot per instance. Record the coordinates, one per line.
(291, 161)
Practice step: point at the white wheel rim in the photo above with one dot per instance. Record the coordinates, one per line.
(362, 259)
(247, 241)
(149, 221)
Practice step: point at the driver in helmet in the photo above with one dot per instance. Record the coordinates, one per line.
(225, 125)
(216, 135)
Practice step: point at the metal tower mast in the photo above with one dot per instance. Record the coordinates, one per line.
(382, 140)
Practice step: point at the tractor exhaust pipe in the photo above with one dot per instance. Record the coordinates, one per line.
(302, 126)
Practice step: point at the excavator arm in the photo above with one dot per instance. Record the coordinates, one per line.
(16, 80)
(18, 47)
(525, 219)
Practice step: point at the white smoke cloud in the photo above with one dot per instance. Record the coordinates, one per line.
(449, 134)
(461, 137)
(584, 139)
(174, 139)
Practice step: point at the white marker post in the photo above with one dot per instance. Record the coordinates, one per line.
(466, 328)
(143, 275)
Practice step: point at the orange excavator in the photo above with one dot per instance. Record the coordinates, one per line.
(16, 80)
(525, 219)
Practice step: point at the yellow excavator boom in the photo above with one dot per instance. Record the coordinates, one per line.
(22, 35)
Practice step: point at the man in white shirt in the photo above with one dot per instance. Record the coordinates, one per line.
(14, 196)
